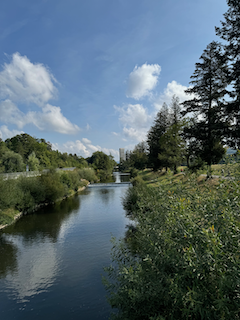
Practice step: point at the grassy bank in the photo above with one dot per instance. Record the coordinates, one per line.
(24, 195)
(180, 259)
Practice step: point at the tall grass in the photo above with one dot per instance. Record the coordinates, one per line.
(185, 261)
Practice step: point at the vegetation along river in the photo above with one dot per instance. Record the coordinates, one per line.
(51, 261)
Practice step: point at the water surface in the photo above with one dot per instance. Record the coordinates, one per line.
(51, 261)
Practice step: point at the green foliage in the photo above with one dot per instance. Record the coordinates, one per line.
(185, 260)
(206, 133)
(158, 128)
(195, 164)
(33, 162)
(12, 162)
(88, 174)
(172, 145)
(9, 194)
(230, 32)
(53, 187)
(31, 192)
(27, 146)
(166, 145)
(103, 164)
(25, 194)
(138, 158)
(133, 172)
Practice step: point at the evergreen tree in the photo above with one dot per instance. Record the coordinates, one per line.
(230, 32)
(158, 128)
(166, 146)
(209, 128)
(171, 142)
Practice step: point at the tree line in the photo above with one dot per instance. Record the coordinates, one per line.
(23, 151)
(198, 129)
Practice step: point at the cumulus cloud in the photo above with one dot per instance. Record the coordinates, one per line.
(52, 117)
(142, 80)
(22, 81)
(86, 141)
(135, 120)
(84, 148)
(6, 133)
(9, 113)
(173, 88)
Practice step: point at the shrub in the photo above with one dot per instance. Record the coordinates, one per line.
(53, 187)
(9, 194)
(186, 263)
(133, 172)
(31, 193)
(88, 174)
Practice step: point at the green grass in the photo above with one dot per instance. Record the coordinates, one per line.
(7, 216)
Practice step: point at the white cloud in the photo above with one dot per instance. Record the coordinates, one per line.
(52, 119)
(86, 141)
(135, 133)
(135, 120)
(5, 133)
(23, 81)
(142, 80)
(83, 148)
(173, 88)
(9, 113)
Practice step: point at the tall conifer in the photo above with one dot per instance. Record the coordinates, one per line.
(230, 32)
(209, 83)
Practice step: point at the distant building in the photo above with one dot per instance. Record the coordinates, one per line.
(122, 156)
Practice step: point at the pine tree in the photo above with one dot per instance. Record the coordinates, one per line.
(171, 142)
(166, 146)
(230, 32)
(158, 128)
(209, 86)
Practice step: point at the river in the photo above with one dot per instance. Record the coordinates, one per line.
(51, 261)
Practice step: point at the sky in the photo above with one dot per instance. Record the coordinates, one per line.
(91, 75)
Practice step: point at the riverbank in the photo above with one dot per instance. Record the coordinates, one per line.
(181, 257)
(26, 195)
(16, 215)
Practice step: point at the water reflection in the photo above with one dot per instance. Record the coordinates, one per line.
(46, 222)
(51, 261)
(36, 271)
(8, 254)
(106, 194)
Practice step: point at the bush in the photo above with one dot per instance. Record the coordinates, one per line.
(31, 193)
(53, 187)
(133, 172)
(88, 174)
(9, 194)
(186, 263)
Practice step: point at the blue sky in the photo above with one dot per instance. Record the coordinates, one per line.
(91, 75)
